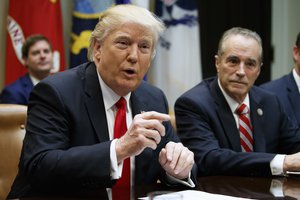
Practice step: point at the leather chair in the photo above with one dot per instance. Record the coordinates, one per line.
(173, 120)
(12, 132)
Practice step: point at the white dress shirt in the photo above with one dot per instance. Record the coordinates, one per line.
(297, 78)
(110, 98)
(34, 80)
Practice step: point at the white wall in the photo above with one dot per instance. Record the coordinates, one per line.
(3, 14)
(285, 27)
(67, 8)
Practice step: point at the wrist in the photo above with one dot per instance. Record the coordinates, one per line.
(120, 152)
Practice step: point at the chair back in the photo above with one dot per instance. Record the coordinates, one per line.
(12, 132)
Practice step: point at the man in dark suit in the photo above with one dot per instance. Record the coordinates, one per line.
(38, 59)
(223, 142)
(69, 148)
(287, 88)
(17, 92)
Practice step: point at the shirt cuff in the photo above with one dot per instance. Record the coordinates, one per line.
(276, 165)
(189, 182)
(116, 169)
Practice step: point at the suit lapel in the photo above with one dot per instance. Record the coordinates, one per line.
(94, 102)
(293, 95)
(226, 118)
(27, 84)
(137, 104)
(257, 120)
(143, 160)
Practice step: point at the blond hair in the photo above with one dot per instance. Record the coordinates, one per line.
(118, 15)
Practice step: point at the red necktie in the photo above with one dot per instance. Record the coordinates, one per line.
(121, 190)
(245, 128)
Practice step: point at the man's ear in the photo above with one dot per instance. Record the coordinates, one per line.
(97, 49)
(259, 70)
(25, 60)
(217, 63)
(296, 53)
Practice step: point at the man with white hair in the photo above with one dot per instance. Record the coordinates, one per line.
(99, 126)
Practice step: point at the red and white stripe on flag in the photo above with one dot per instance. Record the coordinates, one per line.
(30, 17)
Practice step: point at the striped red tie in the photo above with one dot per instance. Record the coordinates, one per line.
(245, 128)
(121, 190)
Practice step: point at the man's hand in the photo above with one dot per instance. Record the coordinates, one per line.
(292, 162)
(146, 130)
(176, 160)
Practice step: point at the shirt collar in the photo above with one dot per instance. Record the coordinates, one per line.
(231, 102)
(297, 78)
(34, 80)
(110, 98)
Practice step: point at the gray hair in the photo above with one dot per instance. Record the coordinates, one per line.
(240, 31)
(118, 15)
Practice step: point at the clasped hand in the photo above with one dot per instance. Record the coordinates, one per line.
(146, 130)
(292, 162)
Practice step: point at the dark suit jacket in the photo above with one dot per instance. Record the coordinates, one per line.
(17, 92)
(206, 125)
(67, 148)
(287, 91)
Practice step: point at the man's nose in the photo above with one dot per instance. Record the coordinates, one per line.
(42, 54)
(133, 54)
(241, 69)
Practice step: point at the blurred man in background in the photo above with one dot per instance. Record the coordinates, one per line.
(287, 88)
(38, 58)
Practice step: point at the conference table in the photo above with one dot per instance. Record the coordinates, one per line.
(249, 187)
(246, 187)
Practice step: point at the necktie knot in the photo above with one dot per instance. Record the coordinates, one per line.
(242, 109)
(120, 121)
(121, 103)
